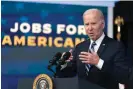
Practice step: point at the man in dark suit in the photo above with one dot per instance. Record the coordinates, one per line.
(100, 59)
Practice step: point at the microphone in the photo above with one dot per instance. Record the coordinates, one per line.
(55, 59)
(64, 58)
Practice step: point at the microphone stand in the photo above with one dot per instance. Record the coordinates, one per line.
(54, 73)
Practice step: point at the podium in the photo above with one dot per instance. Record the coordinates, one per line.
(60, 83)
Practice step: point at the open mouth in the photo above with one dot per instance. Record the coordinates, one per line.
(91, 34)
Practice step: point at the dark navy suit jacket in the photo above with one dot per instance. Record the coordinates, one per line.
(114, 69)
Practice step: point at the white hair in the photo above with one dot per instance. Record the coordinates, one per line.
(94, 10)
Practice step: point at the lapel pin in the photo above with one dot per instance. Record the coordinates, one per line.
(103, 44)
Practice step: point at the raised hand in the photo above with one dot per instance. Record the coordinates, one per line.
(89, 58)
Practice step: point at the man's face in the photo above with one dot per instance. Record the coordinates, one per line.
(93, 25)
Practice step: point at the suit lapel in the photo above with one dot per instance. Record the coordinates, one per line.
(81, 66)
(102, 46)
(86, 46)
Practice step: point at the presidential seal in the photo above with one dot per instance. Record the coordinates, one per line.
(43, 81)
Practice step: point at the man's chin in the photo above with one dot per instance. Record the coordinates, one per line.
(92, 38)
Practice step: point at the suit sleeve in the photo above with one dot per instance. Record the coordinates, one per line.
(118, 66)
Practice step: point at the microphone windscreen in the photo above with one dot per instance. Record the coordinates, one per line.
(67, 55)
(58, 55)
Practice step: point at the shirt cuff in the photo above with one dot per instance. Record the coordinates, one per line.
(100, 64)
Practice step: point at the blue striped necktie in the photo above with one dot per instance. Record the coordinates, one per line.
(92, 46)
(90, 50)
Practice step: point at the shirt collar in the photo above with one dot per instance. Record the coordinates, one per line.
(99, 40)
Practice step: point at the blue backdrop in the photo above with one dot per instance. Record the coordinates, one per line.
(21, 61)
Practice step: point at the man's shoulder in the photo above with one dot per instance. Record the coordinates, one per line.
(83, 43)
(114, 42)
(111, 40)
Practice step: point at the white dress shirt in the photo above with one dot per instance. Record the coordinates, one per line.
(96, 47)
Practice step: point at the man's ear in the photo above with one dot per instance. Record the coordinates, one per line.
(103, 24)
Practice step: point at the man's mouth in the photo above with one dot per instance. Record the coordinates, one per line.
(91, 34)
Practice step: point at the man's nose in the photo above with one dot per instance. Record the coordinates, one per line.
(90, 28)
